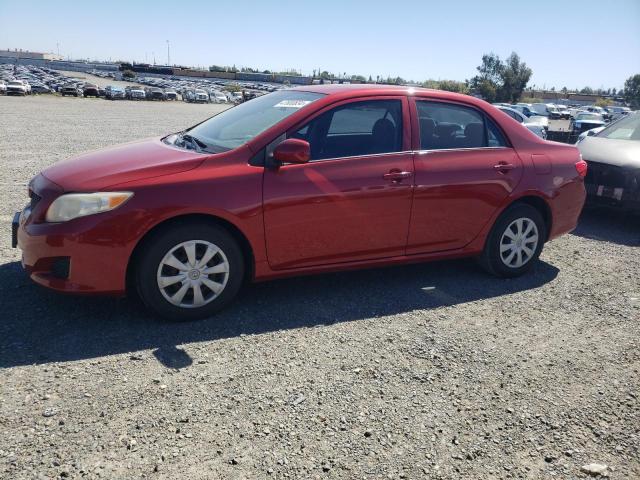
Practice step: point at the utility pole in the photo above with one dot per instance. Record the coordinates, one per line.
(154, 57)
(58, 47)
(168, 56)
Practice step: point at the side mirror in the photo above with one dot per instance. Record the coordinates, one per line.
(292, 150)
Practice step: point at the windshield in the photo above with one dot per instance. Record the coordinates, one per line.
(626, 129)
(589, 116)
(237, 125)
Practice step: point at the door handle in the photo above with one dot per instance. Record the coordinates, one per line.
(396, 175)
(504, 167)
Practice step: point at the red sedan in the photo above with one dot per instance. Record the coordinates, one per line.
(306, 180)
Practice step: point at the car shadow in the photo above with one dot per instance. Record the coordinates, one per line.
(610, 225)
(39, 326)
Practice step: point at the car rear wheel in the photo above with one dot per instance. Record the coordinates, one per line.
(515, 242)
(189, 271)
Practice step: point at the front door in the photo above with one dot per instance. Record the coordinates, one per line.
(352, 201)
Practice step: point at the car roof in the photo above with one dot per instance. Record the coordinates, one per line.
(329, 89)
(360, 90)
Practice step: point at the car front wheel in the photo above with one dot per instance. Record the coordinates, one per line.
(189, 271)
(515, 242)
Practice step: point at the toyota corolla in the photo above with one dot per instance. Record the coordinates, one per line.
(305, 180)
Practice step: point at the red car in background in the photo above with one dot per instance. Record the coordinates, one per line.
(305, 180)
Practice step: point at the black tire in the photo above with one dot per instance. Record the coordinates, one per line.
(491, 259)
(160, 243)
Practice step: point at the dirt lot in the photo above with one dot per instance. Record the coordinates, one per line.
(427, 371)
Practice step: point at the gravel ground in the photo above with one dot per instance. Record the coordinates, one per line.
(425, 371)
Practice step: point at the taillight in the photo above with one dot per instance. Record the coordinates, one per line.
(581, 168)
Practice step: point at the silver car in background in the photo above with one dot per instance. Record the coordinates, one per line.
(537, 125)
(613, 158)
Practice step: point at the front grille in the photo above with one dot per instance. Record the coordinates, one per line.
(604, 174)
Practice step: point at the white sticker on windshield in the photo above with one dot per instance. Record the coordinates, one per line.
(292, 103)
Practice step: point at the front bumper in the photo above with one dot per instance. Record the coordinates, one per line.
(613, 185)
(67, 260)
(85, 255)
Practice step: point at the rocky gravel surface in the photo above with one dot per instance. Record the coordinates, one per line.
(425, 371)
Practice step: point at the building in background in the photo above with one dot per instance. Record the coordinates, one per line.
(25, 54)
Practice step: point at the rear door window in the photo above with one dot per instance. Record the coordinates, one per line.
(446, 126)
(450, 126)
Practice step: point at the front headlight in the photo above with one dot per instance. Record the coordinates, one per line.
(74, 205)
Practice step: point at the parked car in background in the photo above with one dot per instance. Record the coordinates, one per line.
(589, 133)
(134, 93)
(114, 93)
(3, 88)
(40, 88)
(617, 110)
(171, 94)
(90, 90)
(544, 109)
(525, 109)
(154, 93)
(530, 123)
(314, 179)
(573, 111)
(195, 96)
(586, 121)
(598, 110)
(218, 97)
(563, 112)
(72, 89)
(613, 158)
(17, 87)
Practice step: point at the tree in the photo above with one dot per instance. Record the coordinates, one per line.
(451, 86)
(515, 76)
(587, 91)
(128, 74)
(632, 91)
(603, 102)
(501, 81)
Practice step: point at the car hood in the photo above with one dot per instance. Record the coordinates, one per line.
(622, 153)
(121, 164)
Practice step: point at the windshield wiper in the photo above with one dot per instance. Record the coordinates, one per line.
(196, 144)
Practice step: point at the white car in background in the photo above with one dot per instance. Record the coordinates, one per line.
(538, 125)
(218, 97)
(3, 88)
(18, 87)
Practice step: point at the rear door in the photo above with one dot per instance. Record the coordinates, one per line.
(464, 171)
(352, 201)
